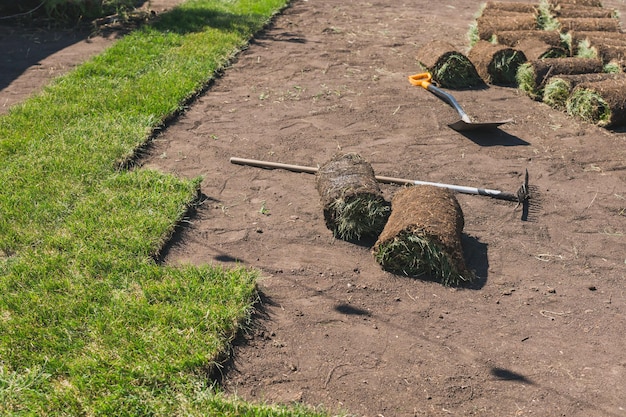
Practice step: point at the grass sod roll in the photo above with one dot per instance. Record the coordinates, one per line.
(448, 67)
(578, 36)
(513, 37)
(612, 53)
(559, 88)
(602, 103)
(577, 11)
(568, 24)
(496, 64)
(423, 236)
(489, 26)
(534, 48)
(583, 41)
(353, 204)
(584, 3)
(532, 75)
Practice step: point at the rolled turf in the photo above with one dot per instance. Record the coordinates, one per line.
(423, 236)
(534, 48)
(559, 88)
(489, 25)
(602, 103)
(448, 67)
(584, 3)
(353, 204)
(510, 7)
(496, 64)
(568, 24)
(532, 75)
(513, 37)
(575, 10)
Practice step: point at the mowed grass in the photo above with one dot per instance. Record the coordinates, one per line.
(90, 324)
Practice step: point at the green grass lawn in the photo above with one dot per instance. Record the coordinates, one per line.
(90, 324)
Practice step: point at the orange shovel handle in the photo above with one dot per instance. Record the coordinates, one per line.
(423, 79)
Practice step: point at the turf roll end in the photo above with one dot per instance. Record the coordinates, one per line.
(448, 67)
(590, 106)
(422, 237)
(354, 207)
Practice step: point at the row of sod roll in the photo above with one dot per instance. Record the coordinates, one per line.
(570, 54)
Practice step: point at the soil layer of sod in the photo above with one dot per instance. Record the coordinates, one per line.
(602, 102)
(449, 67)
(490, 25)
(533, 75)
(588, 24)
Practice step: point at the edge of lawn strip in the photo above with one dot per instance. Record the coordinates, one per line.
(90, 324)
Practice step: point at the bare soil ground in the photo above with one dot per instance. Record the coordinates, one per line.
(542, 330)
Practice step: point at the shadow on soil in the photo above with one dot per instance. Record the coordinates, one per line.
(493, 137)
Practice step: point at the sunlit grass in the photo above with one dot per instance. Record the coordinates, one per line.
(90, 324)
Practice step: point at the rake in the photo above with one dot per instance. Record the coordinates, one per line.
(521, 196)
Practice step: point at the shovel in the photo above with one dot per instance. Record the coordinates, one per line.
(424, 80)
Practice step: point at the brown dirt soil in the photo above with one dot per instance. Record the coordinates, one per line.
(542, 331)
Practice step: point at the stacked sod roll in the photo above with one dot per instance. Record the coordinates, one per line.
(496, 64)
(602, 103)
(559, 87)
(354, 207)
(499, 16)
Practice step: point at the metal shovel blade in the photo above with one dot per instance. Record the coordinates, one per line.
(463, 125)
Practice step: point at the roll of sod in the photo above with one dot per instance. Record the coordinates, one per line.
(488, 26)
(496, 64)
(568, 24)
(584, 3)
(353, 203)
(574, 10)
(508, 6)
(581, 35)
(513, 37)
(584, 43)
(532, 76)
(495, 13)
(559, 88)
(602, 103)
(448, 67)
(612, 54)
(534, 48)
(423, 236)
